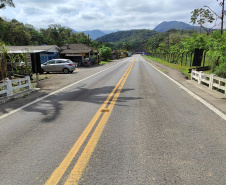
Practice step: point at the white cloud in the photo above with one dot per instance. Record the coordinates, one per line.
(101, 14)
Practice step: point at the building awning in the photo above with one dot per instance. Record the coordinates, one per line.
(75, 54)
(26, 51)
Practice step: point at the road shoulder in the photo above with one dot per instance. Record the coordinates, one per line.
(215, 98)
(50, 85)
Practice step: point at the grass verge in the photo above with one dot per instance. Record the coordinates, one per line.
(104, 62)
(183, 69)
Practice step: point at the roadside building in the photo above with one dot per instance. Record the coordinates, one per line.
(35, 55)
(115, 55)
(46, 52)
(80, 53)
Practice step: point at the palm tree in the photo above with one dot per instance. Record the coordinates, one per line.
(127, 46)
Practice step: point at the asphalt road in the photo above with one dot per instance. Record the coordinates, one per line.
(128, 124)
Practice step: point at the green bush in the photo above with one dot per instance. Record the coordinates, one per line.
(105, 53)
(221, 70)
(3, 61)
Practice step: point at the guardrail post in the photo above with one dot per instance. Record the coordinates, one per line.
(199, 77)
(225, 89)
(192, 74)
(28, 81)
(211, 81)
(9, 87)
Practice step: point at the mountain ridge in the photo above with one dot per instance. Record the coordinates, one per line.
(126, 36)
(162, 27)
(165, 26)
(93, 34)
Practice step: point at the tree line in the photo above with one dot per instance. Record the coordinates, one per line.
(16, 33)
(180, 49)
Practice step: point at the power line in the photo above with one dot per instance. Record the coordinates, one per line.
(218, 10)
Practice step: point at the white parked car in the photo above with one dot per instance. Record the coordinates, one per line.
(58, 65)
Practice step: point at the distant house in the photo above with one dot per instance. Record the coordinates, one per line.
(80, 53)
(115, 55)
(36, 54)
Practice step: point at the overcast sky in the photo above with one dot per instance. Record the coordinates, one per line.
(83, 15)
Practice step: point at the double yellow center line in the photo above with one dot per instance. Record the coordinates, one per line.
(104, 111)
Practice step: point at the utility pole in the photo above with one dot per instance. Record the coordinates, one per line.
(36, 70)
(88, 39)
(168, 46)
(168, 41)
(222, 18)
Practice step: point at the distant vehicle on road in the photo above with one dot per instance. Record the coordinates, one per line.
(58, 65)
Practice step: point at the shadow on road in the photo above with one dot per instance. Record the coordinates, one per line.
(51, 107)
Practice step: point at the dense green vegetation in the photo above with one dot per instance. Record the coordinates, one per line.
(105, 53)
(126, 36)
(183, 69)
(136, 39)
(179, 48)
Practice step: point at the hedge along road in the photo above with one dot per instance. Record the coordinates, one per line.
(156, 134)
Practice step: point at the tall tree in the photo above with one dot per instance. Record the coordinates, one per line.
(36, 38)
(16, 33)
(127, 46)
(4, 3)
(202, 16)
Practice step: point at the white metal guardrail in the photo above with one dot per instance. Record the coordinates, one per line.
(9, 87)
(211, 80)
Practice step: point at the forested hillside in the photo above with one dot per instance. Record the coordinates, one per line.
(128, 36)
(134, 39)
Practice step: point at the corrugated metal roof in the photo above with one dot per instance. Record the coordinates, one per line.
(30, 49)
(77, 48)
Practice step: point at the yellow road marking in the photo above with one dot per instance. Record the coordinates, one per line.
(76, 173)
(105, 110)
(58, 173)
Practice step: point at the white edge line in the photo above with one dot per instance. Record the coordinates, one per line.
(55, 92)
(218, 112)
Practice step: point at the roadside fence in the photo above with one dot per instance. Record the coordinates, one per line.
(210, 80)
(11, 87)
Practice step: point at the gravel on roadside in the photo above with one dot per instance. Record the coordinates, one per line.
(54, 82)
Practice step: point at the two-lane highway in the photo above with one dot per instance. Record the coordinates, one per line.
(128, 124)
